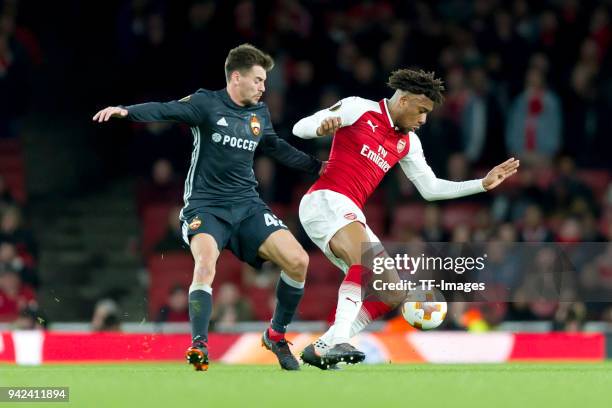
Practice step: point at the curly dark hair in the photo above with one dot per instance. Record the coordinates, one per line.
(244, 57)
(418, 82)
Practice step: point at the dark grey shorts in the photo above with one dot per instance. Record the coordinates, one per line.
(242, 230)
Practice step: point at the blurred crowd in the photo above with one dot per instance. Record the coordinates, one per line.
(20, 53)
(521, 77)
(531, 80)
(18, 261)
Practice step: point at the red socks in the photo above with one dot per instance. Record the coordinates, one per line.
(274, 335)
(375, 309)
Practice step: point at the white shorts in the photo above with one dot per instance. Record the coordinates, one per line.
(325, 212)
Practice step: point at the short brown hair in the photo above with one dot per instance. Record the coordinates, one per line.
(244, 57)
(418, 82)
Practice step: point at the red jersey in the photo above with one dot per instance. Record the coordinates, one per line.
(364, 149)
(367, 145)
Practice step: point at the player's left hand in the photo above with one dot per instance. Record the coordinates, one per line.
(111, 112)
(499, 173)
(329, 126)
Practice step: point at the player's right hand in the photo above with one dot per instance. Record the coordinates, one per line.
(111, 112)
(329, 126)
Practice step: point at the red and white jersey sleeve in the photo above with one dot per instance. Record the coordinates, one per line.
(348, 110)
(430, 187)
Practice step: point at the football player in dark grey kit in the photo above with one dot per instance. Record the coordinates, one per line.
(222, 208)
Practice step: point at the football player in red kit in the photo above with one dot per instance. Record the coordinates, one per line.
(369, 139)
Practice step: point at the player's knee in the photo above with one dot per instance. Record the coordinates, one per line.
(298, 265)
(203, 272)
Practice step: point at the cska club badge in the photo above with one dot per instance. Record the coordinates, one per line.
(195, 223)
(255, 125)
(401, 145)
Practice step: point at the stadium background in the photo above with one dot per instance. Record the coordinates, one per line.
(89, 230)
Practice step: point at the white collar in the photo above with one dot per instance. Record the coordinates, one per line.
(389, 115)
(385, 101)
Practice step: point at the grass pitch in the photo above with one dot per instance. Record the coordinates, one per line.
(585, 385)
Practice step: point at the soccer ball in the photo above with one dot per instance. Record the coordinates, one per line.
(424, 310)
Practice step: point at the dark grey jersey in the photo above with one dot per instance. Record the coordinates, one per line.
(225, 136)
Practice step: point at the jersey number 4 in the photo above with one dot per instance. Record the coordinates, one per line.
(272, 219)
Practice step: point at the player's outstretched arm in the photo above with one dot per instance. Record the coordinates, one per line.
(432, 188)
(499, 173)
(187, 110)
(110, 112)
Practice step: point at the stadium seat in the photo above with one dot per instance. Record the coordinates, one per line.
(459, 213)
(321, 270)
(597, 180)
(318, 302)
(154, 225)
(412, 215)
(166, 271)
(229, 269)
(11, 163)
(604, 227)
(172, 268)
(605, 221)
(375, 217)
(260, 299)
(544, 178)
(15, 182)
(12, 168)
(10, 147)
